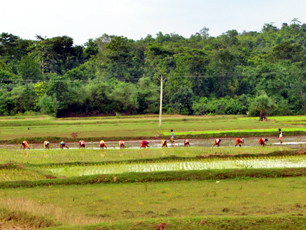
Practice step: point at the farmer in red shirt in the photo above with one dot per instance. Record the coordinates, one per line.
(262, 141)
(81, 144)
(63, 145)
(217, 142)
(186, 143)
(239, 141)
(102, 144)
(144, 144)
(121, 144)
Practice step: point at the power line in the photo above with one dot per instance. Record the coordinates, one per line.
(137, 78)
(229, 74)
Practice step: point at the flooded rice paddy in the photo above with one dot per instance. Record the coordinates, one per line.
(202, 164)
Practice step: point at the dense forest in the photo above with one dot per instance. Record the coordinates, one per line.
(230, 74)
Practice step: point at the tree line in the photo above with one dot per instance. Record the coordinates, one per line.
(234, 73)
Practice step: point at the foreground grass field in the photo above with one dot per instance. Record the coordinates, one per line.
(137, 202)
(43, 188)
(15, 129)
(32, 197)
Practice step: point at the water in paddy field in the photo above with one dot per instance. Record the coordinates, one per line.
(294, 141)
(264, 162)
(291, 141)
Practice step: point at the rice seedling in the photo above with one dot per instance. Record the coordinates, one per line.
(177, 165)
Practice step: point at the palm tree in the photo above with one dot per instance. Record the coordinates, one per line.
(263, 104)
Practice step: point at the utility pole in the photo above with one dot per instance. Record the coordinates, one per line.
(161, 100)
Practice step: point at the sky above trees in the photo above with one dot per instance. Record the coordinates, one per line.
(136, 19)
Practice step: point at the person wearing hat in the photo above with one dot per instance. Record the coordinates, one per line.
(239, 141)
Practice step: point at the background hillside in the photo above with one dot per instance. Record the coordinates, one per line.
(112, 74)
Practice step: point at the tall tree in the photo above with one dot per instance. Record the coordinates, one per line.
(29, 69)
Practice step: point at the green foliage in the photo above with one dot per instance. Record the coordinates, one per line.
(262, 104)
(6, 77)
(40, 88)
(58, 86)
(48, 104)
(147, 97)
(224, 105)
(91, 49)
(221, 69)
(98, 93)
(124, 97)
(287, 51)
(29, 69)
(182, 101)
(75, 74)
(22, 98)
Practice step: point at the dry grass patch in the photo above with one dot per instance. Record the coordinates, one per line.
(50, 211)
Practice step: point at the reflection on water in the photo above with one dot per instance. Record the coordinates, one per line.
(273, 162)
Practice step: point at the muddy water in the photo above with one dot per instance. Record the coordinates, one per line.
(292, 141)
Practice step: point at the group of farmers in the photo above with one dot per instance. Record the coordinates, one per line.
(261, 141)
(145, 144)
(25, 145)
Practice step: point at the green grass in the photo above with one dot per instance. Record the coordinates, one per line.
(15, 129)
(90, 155)
(179, 165)
(126, 178)
(174, 199)
(244, 198)
(288, 118)
(19, 174)
(251, 223)
(242, 132)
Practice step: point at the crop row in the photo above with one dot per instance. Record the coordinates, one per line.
(231, 163)
(88, 155)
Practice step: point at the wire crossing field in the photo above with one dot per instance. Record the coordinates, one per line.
(15, 129)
